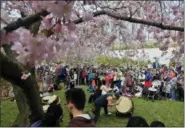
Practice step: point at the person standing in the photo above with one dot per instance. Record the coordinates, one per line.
(75, 77)
(148, 79)
(84, 75)
(173, 83)
(156, 64)
(180, 86)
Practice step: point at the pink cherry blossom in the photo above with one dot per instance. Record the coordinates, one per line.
(87, 16)
(181, 50)
(175, 10)
(57, 28)
(47, 22)
(17, 46)
(71, 26)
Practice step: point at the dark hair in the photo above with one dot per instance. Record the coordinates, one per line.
(53, 115)
(99, 83)
(77, 97)
(157, 124)
(103, 82)
(137, 121)
(117, 95)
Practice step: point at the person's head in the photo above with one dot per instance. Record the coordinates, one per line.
(157, 124)
(116, 96)
(75, 100)
(157, 70)
(137, 121)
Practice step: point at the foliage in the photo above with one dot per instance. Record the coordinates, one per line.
(164, 110)
(148, 44)
(118, 61)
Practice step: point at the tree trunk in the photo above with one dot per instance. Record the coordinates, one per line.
(22, 119)
(13, 72)
(27, 96)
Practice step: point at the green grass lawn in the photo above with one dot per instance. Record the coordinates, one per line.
(169, 112)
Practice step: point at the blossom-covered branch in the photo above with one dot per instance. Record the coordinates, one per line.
(25, 21)
(134, 20)
(36, 17)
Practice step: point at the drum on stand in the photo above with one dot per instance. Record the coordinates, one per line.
(156, 83)
(125, 107)
(152, 93)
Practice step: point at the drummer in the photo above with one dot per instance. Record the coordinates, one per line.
(104, 101)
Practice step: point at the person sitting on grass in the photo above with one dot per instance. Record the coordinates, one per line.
(157, 124)
(137, 121)
(75, 103)
(104, 101)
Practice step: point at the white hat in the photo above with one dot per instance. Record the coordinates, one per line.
(53, 98)
(45, 108)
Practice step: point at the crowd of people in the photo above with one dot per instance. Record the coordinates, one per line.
(106, 84)
(130, 81)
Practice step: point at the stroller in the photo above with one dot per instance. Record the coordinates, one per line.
(154, 91)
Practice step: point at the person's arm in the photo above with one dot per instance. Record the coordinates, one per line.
(110, 104)
(117, 102)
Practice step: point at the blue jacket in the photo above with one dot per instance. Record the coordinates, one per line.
(63, 73)
(91, 76)
(148, 76)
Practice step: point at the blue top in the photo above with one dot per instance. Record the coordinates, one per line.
(91, 76)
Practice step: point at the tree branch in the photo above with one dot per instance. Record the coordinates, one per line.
(27, 21)
(134, 20)
(34, 18)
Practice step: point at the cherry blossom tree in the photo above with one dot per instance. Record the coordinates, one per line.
(50, 30)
